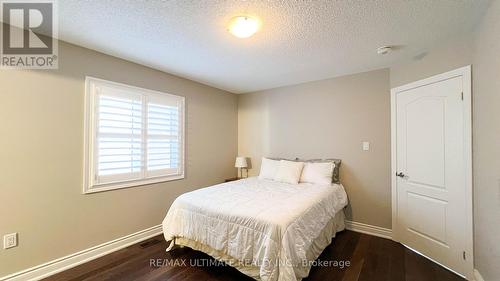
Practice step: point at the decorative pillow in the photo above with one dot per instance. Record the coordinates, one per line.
(268, 168)
(317, 173)
(289, 171)
(336, 169)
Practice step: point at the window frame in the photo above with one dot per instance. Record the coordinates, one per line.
(90, 138)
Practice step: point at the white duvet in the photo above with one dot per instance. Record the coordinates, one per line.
(272, 227)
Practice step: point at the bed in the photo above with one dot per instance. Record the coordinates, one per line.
(266, 229)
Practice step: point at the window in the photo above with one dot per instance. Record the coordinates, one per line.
(133, 136)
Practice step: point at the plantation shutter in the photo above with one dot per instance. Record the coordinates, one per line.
(137, 136)
(119, 136)
(163, 135)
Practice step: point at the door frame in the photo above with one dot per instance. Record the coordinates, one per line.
(465, 73)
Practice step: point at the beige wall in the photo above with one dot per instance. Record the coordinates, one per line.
(454, 54)
(325, 119)
(41, 136)
(486, 134)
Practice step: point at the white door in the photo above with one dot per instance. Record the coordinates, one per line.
(433, 203)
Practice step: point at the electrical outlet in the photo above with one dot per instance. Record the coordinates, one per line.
(10, 240)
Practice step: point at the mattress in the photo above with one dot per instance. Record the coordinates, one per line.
(268, 230)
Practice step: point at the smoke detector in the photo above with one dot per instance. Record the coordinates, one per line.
(384, 50)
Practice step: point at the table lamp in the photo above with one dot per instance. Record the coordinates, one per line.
(241, 162)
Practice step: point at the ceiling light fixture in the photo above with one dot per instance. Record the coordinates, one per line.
(243, 26)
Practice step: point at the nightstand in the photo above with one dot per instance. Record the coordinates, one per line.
(231, 179)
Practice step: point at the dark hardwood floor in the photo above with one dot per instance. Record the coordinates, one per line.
(371, 258)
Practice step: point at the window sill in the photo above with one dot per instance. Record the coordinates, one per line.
(119, 185)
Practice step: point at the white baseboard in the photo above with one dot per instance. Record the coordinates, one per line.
(477, 276)
(369, 229)
(67, 262)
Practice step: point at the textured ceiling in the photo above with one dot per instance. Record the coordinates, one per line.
(299, 41)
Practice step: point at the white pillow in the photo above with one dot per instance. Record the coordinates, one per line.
(317, 173)
(289, 171)
(268, 168)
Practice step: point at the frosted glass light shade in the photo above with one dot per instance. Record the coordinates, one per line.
(243, 26)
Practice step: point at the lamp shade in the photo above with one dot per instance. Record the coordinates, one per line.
(241, 162)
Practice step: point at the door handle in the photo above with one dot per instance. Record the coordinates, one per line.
(400, 174)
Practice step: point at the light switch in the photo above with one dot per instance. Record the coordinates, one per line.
(366, 145)
(10, 240)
